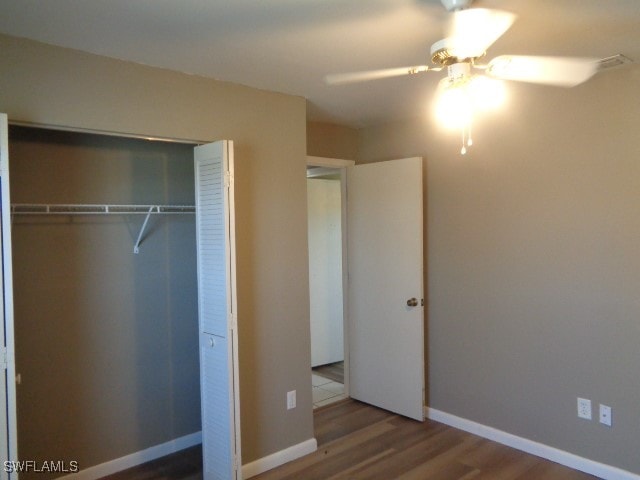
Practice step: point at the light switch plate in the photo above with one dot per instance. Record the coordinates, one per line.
(291, 399)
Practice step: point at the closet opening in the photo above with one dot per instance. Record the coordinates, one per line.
(106, 340)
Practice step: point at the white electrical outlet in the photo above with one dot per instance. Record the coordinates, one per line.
(584, 408)
(291, 399)
(605, 415)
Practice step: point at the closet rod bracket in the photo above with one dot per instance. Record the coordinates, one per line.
(136, 247)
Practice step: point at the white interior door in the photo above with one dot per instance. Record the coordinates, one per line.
(386, 329)
(217, 307)
(8, 419)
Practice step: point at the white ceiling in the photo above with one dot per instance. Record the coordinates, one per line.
(289, 45)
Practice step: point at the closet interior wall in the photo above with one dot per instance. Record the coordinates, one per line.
(106, 340)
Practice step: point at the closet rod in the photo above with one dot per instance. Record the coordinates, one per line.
(84, 209)
(88, 209)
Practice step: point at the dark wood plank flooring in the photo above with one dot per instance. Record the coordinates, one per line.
(357, 441)
(332, 371)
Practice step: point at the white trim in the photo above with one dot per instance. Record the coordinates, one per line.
(329, 162)
(6, 282)
(556, 455)
(233, 297)
(345, 283)
(279, 458)
(136, 458)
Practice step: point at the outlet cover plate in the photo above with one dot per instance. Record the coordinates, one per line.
(584, 408)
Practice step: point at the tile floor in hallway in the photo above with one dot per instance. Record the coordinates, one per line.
(326, 391)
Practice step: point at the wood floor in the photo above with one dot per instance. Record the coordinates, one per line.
(332, 371)
(357, 441)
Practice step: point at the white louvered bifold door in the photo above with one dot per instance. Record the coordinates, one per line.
(215, 226)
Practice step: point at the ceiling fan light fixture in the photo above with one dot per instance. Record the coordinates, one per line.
(488, 94)
(453, 108)
(461, 96)
(458, 101)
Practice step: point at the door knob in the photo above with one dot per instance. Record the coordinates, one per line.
(412, 302)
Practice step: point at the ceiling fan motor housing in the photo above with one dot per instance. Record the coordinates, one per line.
(452, 5)
(441, 54)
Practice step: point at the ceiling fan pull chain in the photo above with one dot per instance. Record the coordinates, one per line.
(467, 141)
(463, 150)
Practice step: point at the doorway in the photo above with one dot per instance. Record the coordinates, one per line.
(326, 187)
(383, 320)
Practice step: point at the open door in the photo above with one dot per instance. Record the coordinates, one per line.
(217, 307)
(385, 289)
(8, 419)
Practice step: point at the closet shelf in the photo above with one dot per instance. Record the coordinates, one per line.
(83, 209)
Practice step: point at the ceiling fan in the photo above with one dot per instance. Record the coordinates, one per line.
(470, 32)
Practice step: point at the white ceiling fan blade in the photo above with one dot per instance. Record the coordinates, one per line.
(472, 31)
(352, 77)
(558, 71)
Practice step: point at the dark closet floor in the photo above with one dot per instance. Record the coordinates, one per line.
(183, 465)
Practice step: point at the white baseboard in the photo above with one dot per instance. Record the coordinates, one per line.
(601, 470)
(136, 458)
(279, 458)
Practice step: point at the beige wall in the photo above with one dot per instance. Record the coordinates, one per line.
(534, 268)
(331, 141)
(51, 85)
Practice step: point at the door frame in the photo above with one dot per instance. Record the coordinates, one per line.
(341, 165)
(7, 302)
